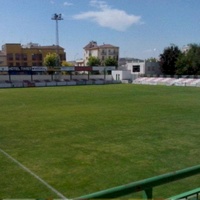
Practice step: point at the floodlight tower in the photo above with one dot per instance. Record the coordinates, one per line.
(57, 17)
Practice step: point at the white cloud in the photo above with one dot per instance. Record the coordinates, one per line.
(108, 17)
(67, 3)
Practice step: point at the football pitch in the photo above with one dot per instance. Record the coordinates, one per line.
(65, 142)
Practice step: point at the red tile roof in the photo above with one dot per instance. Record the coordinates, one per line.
(107, 46)
(93, 45)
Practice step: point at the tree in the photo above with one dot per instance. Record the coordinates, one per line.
(168, 59)
(51, 60)
(188, 63)
(182, 65)
(93, 61)
(66, 64)
(110, 62)
(151, 59)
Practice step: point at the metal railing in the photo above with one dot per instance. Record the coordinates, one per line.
(145, 185)
(190, 195)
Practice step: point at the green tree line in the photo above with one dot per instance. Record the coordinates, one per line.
(175, 62)
(94, 61)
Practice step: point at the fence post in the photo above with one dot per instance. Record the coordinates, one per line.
(148, 193)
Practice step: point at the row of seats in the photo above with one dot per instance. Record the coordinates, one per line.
(167, 81)
(45, 83)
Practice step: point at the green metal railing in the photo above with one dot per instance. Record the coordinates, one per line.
(193, 194)
(145, 185)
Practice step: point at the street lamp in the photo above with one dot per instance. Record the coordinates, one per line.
(57, 17)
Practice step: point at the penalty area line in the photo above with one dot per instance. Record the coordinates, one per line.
(33, 174)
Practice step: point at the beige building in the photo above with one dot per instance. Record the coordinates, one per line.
(2, 59)
(100, 51)
(31, 54)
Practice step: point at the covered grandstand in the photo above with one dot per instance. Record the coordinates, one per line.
(63, 76)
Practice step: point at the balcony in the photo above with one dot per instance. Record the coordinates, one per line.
(113, 53)
(103, 53)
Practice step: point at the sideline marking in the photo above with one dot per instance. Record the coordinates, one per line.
(33, 174)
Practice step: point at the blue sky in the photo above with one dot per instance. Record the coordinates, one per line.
(141, 28)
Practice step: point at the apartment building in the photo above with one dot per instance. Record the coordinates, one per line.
(100, 51)
(2, 58)
(31, 54)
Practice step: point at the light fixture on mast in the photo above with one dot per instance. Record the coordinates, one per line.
(57, 17)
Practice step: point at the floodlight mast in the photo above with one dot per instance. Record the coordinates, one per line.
(57, 17)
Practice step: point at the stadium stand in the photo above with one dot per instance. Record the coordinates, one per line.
(39, 83)
(27, 83)
(167, 81)
(60, 82)
(5, 84)
(71, 82)
(193, 82)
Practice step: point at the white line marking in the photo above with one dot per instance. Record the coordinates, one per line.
(33, 174)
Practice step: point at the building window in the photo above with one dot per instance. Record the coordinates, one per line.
(39, 56)
(17, 64)
(136, 68)
(10, 64)
(103, 52)
(62, 57)
(118, 77)
(33, 56)
(10, 56)
(110, 52)
(36, 56)
(24, 56)
(17, 56)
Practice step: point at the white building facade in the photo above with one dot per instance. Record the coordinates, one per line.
(132, 70)
(144, 68)
(100, 51)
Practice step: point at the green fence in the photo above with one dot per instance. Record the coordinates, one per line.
(145, 185)
(190, 195)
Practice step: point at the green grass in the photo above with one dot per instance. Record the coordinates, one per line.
(83, 139)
